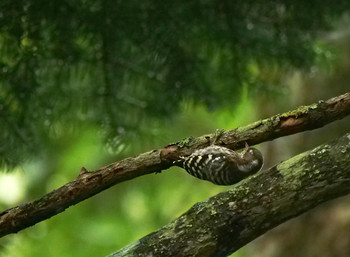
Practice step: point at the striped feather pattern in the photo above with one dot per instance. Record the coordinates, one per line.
(221, 165)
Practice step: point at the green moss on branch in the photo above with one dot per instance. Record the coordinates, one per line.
(229, 220)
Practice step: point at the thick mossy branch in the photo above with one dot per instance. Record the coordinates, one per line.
(88, 184)
(229, 220)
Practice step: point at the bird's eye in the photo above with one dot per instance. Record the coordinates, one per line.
(250, 151)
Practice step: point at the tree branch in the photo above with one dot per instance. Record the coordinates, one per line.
(229, 220)
(88, 184)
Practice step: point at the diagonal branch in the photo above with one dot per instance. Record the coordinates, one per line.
(229, 220)
(88, 184)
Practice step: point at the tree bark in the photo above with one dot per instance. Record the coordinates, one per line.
(229, 220)
(88, 184)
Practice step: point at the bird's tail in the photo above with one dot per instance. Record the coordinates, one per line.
(179, 162)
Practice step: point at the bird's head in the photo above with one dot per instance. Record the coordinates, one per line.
(253, 157)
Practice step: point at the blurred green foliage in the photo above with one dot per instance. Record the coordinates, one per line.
(119, 64)
(85, 83)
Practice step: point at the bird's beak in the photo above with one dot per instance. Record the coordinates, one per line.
(246, 147)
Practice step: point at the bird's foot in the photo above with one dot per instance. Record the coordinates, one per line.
(217, 136)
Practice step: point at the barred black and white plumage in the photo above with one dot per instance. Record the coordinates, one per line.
(222, 166)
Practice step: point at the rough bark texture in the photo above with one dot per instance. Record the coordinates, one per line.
(88, 184)
(229, 220)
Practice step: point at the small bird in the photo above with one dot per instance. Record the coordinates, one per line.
(222, 166)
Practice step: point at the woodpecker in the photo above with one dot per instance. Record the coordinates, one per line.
(222, 166)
